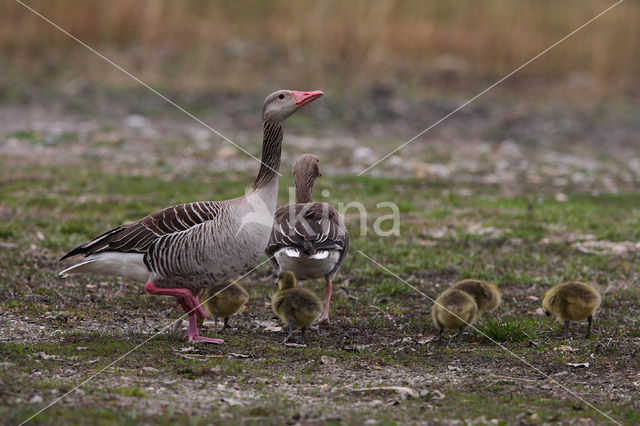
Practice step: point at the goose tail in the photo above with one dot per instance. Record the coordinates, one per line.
(78, 268)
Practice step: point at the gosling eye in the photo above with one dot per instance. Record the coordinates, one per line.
(281, 96)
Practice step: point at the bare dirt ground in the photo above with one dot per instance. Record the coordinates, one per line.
(526, 194)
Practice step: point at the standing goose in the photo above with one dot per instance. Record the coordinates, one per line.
(179, 250)
(309, 239)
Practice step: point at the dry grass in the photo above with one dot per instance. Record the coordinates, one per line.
(214, 43)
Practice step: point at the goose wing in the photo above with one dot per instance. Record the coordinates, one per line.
(308, 227)
(138, 237)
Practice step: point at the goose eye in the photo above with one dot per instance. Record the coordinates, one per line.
(281, 96)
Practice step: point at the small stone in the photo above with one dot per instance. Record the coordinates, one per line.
(327, 359)
(561, 197)
(37, 399)
(150, 369)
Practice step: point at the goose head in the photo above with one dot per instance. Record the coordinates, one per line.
(281, 104)
(286, 280)
(307, 166)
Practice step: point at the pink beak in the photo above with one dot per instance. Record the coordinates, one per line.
(303, 98)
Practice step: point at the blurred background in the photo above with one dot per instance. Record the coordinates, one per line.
(389, 69)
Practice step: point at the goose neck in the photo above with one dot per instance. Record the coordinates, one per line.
(271, 151)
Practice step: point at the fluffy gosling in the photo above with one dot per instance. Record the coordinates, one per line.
(486, 295)
(454, 309)
(222, 301)
(572, 301)
(296, 307)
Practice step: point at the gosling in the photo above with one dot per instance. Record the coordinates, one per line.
(572, 301)
(296, 307)
(486, 295)
(454, 309)
(222, 301)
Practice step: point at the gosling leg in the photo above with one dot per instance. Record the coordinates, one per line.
(566, 329)
(226, 323)
(459, 335)
(589, 321)
(290, 338)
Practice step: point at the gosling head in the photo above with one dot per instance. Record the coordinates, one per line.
(281, 104)
(286, 280)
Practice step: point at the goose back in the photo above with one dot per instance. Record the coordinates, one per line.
(311, 229)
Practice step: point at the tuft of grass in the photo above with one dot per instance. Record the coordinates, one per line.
(510, 330)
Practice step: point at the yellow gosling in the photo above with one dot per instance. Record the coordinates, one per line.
(454, 310)
(222, 301)
(486, 295)
(572, 301)
(296, 307)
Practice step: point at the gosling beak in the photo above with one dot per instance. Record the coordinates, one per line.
(303, 98)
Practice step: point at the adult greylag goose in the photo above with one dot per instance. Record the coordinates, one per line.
(182, 249)
(308, 239)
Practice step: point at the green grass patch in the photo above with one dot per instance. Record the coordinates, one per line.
(514, 330)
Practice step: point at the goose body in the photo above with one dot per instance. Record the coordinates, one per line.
(308, 238)
(182, 249)
(190, 246)
(320, 264)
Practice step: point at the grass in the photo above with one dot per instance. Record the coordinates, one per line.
(382, 311)
(68, 179)
(516, 330)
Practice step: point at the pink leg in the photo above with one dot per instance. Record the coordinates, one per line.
(187, 300)
(192, 333)
(190, 305)
(324, 319)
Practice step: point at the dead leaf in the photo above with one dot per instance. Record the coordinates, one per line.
(565, 348)
(295, 345)
(235, 355)
(578, 364)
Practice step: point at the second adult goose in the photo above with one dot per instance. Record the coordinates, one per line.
(182, 249)
(308, 238)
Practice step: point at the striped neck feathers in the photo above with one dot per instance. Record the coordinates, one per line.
(304, 176)
(271, 150)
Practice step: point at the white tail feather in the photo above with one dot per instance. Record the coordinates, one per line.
(127, 265)
(78, 268)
